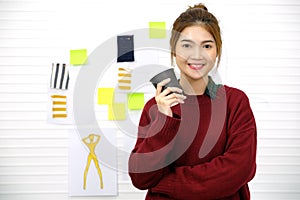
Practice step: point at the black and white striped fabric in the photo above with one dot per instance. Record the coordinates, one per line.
(59, 77)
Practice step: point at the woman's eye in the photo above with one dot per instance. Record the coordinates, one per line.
(207, 46)
(187, 46)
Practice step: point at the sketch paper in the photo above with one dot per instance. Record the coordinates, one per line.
(90, 173)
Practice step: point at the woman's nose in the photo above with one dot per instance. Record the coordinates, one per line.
(198, 53)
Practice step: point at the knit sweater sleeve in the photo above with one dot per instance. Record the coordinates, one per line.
(149, 158)
(224, 175)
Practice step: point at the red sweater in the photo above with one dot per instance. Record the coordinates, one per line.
(207, 150)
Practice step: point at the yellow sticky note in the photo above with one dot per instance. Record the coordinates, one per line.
(135, 101)
(106, 95)
(157, 29)
(117, 111)
(78, 57)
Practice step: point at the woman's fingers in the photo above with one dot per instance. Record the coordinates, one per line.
(169, 90)
(167, 99)
(160, 85)
(170, 96)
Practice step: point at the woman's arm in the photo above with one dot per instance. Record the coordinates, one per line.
(149, 158)
(157, 128)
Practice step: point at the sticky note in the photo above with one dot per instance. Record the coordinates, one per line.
(157, 29)
(117, 111)
(106, 95)
(78, 57)
(135, 101)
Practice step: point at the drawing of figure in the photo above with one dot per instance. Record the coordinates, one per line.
(91, 142)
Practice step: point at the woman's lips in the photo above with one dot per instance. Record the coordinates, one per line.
(196, 66)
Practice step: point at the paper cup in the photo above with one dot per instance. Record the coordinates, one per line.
(169, 73)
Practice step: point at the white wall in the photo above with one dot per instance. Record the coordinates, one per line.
(261, 57)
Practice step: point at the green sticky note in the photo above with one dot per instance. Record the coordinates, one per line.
(117, 111)
(157, 29)
(106, 95)
(135, 101)
(78, 57)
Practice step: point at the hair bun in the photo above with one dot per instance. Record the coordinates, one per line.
(200, 6)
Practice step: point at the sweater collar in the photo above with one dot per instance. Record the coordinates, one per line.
(211, 88)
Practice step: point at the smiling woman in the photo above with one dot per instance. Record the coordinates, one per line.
(196, 54)
(197, 15)
(207, 140)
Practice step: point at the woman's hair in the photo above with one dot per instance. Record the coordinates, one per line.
(196, 15)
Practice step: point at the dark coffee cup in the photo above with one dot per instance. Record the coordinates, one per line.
(169, 73)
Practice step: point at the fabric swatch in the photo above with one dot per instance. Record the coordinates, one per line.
(59, 76)
(59, 106)
(124, 78)
(125, 48)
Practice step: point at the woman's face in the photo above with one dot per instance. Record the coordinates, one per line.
(196, 53)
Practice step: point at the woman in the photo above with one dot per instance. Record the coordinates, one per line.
(199, 143)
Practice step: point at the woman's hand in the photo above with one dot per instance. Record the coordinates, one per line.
(165, 100)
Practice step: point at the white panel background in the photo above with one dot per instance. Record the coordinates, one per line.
(261, 57)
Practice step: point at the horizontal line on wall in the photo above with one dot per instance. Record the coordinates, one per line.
(34, 182)
(279, 164)
(33, 147)
(27, 92)
(34, 156)
(271, 111)
(23, 29)
(49, 139)
(51, 192)
(57, 136)
(276, 181)
(266, 146)
(27, 56)
(33, 174)
(280, 137)
(280, 155)
(54, 127)
(285, 129)
(26, 110)
(277, 191)
(277, 173)
(35, 165)
(19, 73)
(36, 138)
(25, 20)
